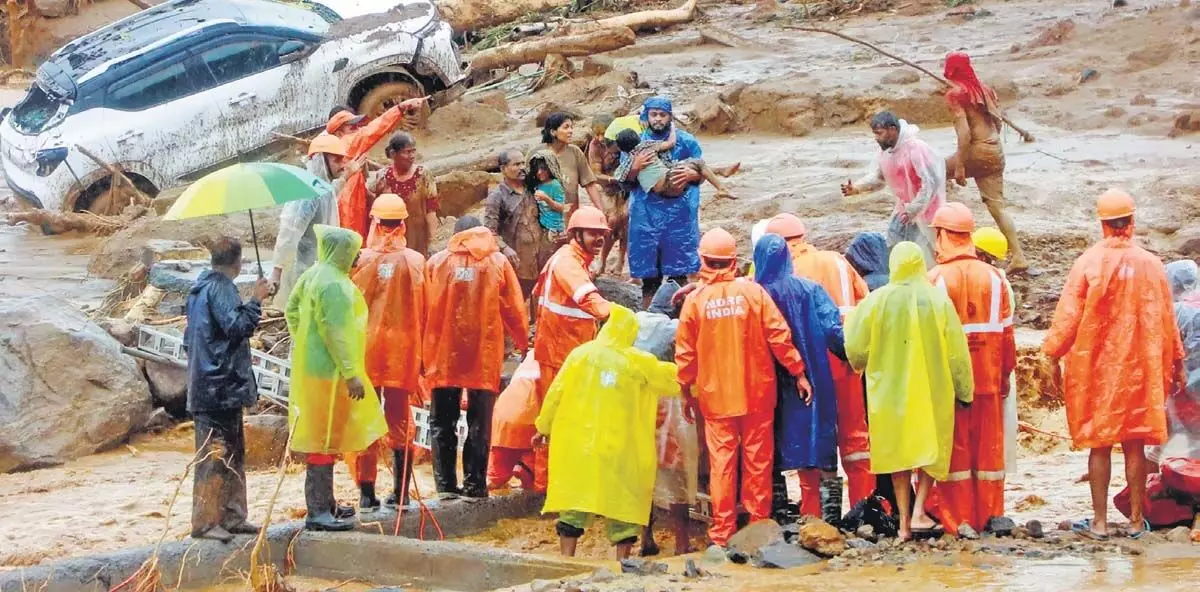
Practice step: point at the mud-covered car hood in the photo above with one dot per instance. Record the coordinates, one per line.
(420, 11)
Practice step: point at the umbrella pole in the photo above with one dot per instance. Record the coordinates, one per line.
(254, 236)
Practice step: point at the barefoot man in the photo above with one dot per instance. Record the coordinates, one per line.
(979, 155)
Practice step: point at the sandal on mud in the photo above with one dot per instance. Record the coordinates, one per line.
(1139, 534)
(1083, 528)
(924, 534)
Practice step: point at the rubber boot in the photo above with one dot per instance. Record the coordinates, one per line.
(367, 501)
(401, 464)
(831, 500)
(318, 496)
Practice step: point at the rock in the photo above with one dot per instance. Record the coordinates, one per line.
(755, 536)
(866, 531)
(158, 421)
(620, 292)
(791, 532)
(1020, 533)
(732, 93)
(1180, 534)
(822, 538)
(459, 191)
(68, 389)
(1142, 100)
(178, 276)
(1088, 75)
(714, 115)
(1187, 242)
(596, 66)
(781, 555)
(1035, 528)
(901, 76)
(543, 585)
(494, 99)
(642, 567)
(737, 557)
(54, 8)
(715, 554)
(1001, 526)
(123, 331)
(266, 439)
(965, 531)
(1186, 122)
(860, 544)
(168, 386)
(602, 575)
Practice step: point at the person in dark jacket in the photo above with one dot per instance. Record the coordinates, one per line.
(220, 384)
(868, 253)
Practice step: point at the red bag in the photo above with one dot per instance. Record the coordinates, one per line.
(1182, 475)
(1159, 507)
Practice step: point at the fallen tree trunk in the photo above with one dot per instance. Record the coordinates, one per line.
(469, 15)
(647, 19)
(54, 222)
(507, 56)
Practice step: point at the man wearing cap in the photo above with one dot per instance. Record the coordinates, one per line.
(568, 305)
(391, 278)
(730, 335)
(296, 243)
(843, 284)
(664, 232)
(1114, 330)
(973, 493)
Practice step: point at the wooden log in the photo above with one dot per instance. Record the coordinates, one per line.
(470, 15)
(529, 52)
(638, 21)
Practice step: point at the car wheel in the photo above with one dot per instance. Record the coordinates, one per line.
(101, 198)
(387, 95)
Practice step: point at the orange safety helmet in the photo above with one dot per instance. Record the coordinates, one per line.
(789, 226)
(1115, 203)
(340, 119)
(588, 218)
(389, 206)
(954, 217)
(718, 244)
(328, 144)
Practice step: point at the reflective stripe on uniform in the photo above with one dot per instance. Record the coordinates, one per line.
(856, 456)
(995, 324)
(989, 475)
(564, 310)
(958, 476)
(844, 277)
(582, 291)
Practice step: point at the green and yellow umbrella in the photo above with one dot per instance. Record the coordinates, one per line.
(245, 187)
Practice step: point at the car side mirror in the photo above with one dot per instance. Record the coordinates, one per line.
(291, 51)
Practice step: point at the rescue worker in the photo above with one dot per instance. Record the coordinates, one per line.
(220, 384)
(915, 174)
(1183, 407)
(513, 418)
(907, 337)
(332, 407)
(991, 247)
(868, 253)
(392, 280)
(973, 493)
(474, 301)
(353, 200)
(979, 153)
(598, 418)
(568, 305)
(729, 333)
(296, 244)
(842, 283)
(805, 432)
(1114, 330)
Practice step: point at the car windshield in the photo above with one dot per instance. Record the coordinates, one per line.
(36, 111)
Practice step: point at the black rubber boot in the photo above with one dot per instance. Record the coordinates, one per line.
(831, 500)
(367, 501)
(318, 496)
(401, 464)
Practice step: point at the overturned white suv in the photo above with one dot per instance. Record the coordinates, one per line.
(183, 88)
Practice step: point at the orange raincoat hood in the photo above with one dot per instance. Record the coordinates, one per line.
(387, 240)
(952, 246)
(478, 242)
(709, 275)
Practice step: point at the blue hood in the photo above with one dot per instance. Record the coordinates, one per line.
(772, 259)
(868, 253)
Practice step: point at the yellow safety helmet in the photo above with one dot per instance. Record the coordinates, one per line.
(990, 240)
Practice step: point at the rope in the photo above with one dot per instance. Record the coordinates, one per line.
(1030, 428)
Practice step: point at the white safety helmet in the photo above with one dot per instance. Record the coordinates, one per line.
(758, 231)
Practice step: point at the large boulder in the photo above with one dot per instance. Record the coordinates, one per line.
(68, 391)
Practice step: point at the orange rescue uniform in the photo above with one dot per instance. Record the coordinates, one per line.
(352, 199)
(391, 278)
(568, 307)
(974, 491)
(730, 334)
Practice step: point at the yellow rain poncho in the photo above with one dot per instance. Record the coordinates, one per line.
(908, 338)
(327, 317)
(600, 414)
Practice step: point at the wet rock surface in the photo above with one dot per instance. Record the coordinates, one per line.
(822, 538)
(781, 555)
(68, 389)
(642, 567)
(748, 541)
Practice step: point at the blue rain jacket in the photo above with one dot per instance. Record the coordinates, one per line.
(805, 435)
(868, 253)
(664, 232)
(217, 340)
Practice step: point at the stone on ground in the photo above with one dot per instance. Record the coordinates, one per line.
(1180, 534)
(1035, 528)
(642, 567)
(1001, 526)
(781, 555)
(620, 292)
(68, 390)
(822, 538)
(168, 386)
(755, 536)
(266, 440)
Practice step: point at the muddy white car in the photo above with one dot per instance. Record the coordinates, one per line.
(183, 88)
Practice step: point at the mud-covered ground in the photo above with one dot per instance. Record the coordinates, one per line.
(794, 115)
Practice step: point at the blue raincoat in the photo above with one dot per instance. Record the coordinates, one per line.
(805, 435)
(868, 253)
(664, 232)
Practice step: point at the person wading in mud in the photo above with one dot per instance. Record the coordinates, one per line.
(980, 155)
(915, 174)
(220, 384)
(511, 213)
(1114, 331)
(973, 493)
(415, 185)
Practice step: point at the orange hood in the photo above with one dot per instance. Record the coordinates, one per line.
(798, 246)
(478, 242)
(709, 275)
(954, 245)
